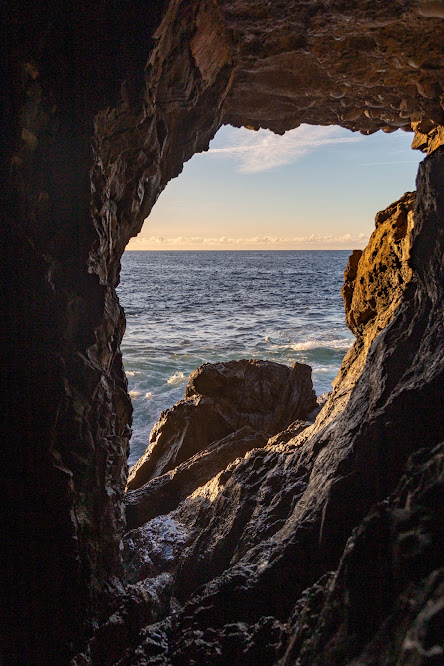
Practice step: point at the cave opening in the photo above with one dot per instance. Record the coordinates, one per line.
(152, 95)
(241, 259)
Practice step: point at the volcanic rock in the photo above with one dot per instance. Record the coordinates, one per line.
(164, 493)
(104, 104)
(221, 398)
(264, 535)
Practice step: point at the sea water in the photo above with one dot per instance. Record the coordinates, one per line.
(188, 308)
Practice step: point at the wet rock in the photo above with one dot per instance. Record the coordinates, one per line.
(220, 398)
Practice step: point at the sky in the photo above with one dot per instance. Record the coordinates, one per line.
(312, 188)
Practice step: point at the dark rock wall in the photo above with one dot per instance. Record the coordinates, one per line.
(65, 405)
(98, 118)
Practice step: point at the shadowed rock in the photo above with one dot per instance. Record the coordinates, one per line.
(220, 398)
(264, 535)
(69, 210)
(386, 597)
(163, 493)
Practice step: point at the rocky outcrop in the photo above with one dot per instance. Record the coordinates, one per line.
(262, 538)
(221, 398)
(375, 279)
(152, 83)
(374, 283)
(164, 493)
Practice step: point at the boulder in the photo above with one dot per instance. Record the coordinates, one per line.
(221, 398)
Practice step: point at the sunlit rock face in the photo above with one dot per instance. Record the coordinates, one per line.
(102, 114)
(374, 285)
(374, 282)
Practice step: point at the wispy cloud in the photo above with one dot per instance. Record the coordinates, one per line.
(261, 151)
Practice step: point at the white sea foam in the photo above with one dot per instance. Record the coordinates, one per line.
(134, 394)
(132, 373)
(177, 378)
(337, 345)
(149, 394)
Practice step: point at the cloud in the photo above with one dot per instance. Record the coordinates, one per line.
(261, 151)
(242, 242)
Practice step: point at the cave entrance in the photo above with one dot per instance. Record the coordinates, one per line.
(254, 237)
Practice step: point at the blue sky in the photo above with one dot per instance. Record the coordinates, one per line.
(313, 188)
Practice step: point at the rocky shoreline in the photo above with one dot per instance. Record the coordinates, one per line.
(319, 547)
(240, 512)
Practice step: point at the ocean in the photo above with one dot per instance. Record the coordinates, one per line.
(187, 308)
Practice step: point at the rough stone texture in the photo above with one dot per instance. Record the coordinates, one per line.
(373, 286)
(374, 282)
(384, 605)
(65, 405)
(221, 398)
(279, 521)
(428, 136)
(163, 493)
(73, 71)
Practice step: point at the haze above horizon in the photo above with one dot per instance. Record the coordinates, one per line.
(313, 188)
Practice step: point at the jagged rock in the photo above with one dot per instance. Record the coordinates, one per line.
(220, 398)
(164, 493)
(170, 74)
(277, 522)
(385, 600)
(429, 136)
(375, 279)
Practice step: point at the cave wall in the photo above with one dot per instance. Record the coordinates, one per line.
(101, 112)
(65, 405)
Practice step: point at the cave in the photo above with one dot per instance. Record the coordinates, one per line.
(104, 103)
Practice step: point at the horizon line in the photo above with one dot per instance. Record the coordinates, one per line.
(300, 249)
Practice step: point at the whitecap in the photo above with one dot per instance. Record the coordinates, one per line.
(149, 394)
(132, 373)
(177, 378)
(339, 345)
(134, 394)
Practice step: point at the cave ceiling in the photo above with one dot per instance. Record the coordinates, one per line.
(365, 66)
